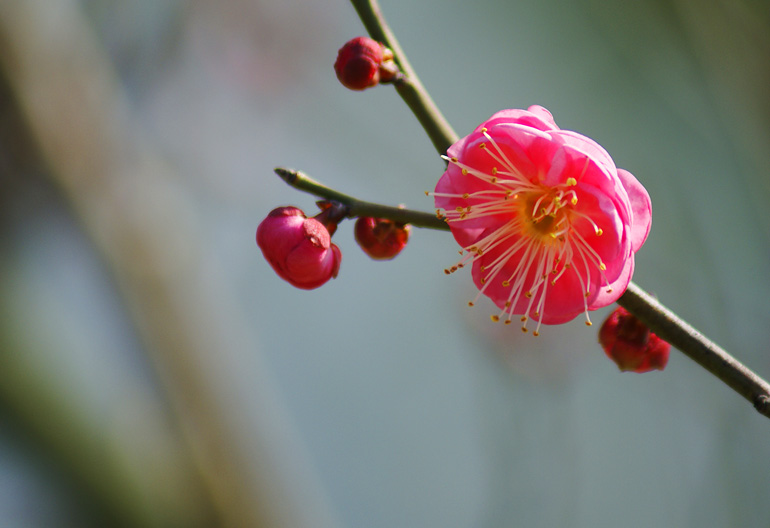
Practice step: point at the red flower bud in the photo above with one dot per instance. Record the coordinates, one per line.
(362, 63)
(380, 238)
(629, 343)
(298, 248)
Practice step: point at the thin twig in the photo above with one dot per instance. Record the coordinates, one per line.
(662, 321)
(303, 182)
(409, 86)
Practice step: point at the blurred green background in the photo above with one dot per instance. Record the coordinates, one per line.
(155, 372)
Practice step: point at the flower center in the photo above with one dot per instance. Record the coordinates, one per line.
(546, 219)
(544, 226)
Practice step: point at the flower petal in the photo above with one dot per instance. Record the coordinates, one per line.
(535, 116)
(641, 207)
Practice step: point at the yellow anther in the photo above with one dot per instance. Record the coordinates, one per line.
(465, 172)
(535, 333)
(528, 294)
(602, 266)
(427, 193)
(506, 284)
(453, 160)
(599, 231)
(466, 195)
(483, 129)
(523, 318)
(571, 182)
(470, 303)
(574, 200)
(589, 323)
(507, 321)
(495, 318)
(482, 145)
(524, 329)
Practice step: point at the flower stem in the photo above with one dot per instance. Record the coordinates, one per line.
(408, 86)
(662, 321)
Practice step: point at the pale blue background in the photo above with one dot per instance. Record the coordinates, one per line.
(402, 407)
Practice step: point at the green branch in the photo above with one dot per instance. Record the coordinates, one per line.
(657, 317)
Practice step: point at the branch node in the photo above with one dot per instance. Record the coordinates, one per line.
(762, 404)
(289, 176)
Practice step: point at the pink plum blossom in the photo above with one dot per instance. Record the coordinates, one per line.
(547, 220)
(298, 248)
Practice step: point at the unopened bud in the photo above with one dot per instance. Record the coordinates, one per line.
(298, 248)
(362, 63)
(380, 238)
(629, 343)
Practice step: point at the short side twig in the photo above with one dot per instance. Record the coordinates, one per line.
(303, 182)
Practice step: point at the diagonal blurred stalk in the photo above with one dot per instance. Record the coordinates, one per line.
(137, 218)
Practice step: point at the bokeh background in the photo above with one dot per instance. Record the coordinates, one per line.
(154, 372)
